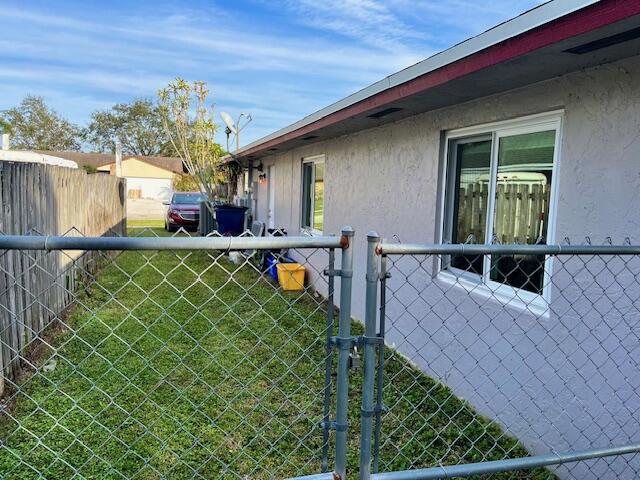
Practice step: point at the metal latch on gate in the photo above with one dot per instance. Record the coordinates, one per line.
(337, 272)
(332, 425)
(354, 342)
(377, 409)
(354, 358)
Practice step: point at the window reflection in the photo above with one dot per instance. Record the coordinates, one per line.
(473, 162)
(523, 193)
(318, 198)
(519, 184)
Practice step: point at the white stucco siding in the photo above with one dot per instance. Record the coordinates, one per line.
(387, 179)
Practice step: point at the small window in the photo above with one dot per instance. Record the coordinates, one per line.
(499, 190)
(313, 194)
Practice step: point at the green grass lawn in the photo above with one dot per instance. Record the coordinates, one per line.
(145, 223)
(170, 368)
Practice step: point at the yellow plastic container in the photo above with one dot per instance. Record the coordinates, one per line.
(291, 276)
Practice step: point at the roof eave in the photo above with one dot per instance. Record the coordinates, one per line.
(545, 25)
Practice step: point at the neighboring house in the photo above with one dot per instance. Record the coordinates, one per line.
(147, 177)
(546, 104)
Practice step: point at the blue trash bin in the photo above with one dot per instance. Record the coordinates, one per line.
(230, 219)
(271, 269)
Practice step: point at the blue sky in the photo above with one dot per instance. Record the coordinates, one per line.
(277, 60)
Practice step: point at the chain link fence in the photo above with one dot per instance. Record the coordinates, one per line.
(500, 352)
(165, 357)
(215, 357)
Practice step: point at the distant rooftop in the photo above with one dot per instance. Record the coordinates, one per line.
(97, 160)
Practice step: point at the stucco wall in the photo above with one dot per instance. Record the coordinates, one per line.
(387, 179)
(378, 172)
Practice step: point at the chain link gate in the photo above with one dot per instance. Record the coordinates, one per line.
(176, 357)
(518, 361)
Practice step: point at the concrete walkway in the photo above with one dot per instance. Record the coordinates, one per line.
(145, 209)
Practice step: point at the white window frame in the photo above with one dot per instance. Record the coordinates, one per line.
(482, 284)
(315, 159)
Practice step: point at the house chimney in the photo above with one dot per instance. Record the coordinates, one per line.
(5, 141)
(118, 159)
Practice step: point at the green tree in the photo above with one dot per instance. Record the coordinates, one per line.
(188, 122)
(34, 126)
(138, 126)
(184, 183)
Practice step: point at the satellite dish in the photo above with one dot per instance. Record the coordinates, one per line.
(226, 118)
(234, 128)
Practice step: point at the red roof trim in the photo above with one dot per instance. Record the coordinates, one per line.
(595, 16)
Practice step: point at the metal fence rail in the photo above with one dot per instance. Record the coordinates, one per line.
(48, 242)
(173, 357)
(495, 353)
(510, 465)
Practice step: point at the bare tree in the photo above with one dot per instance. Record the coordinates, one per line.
(188, 121)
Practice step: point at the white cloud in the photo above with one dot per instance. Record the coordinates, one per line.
(100, 55)
(370, 22)
(174, 33)
(134, 84)
(462, 17)
(406, 26)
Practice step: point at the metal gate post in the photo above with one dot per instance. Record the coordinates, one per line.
(384, 275)
(328, 363)
(344, 343)
(369, 340)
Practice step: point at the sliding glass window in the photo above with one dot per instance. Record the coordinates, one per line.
(499, 190)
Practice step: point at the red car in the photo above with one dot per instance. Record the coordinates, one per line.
(183, 211)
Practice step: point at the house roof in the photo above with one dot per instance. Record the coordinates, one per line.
(97, 160)
(553, 39)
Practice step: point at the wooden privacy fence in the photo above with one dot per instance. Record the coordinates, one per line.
(36, 286)
(520, 211)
